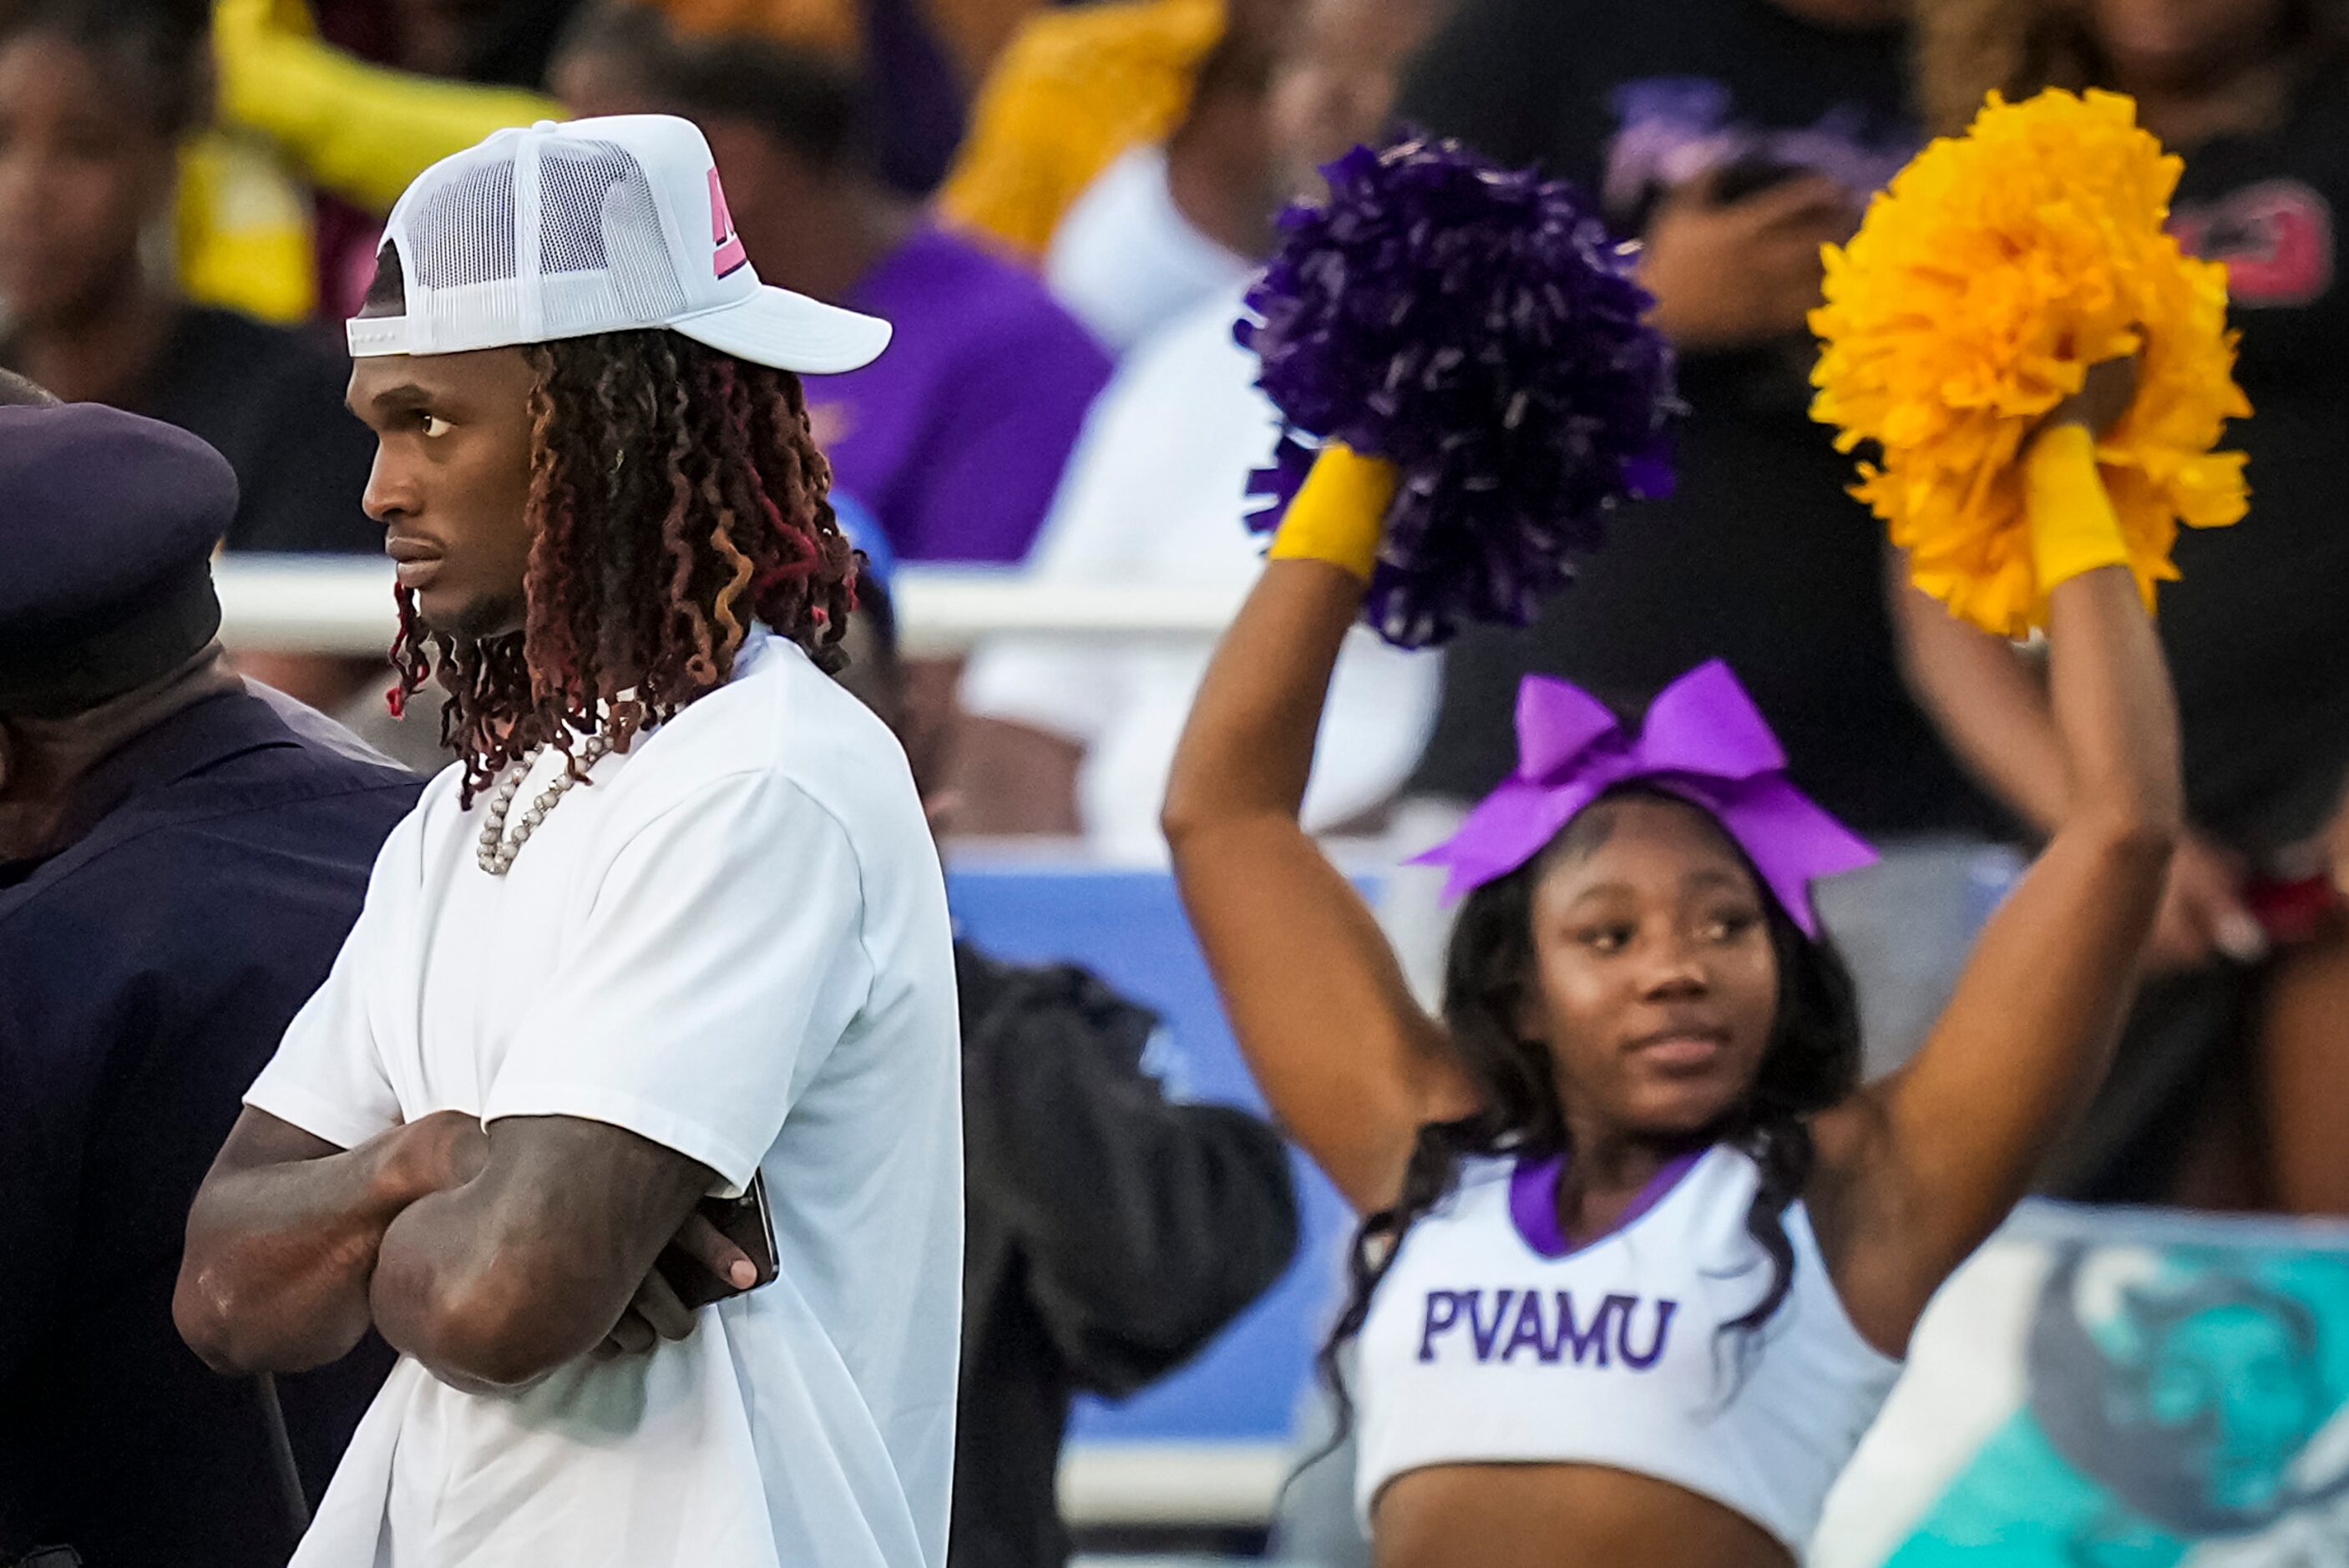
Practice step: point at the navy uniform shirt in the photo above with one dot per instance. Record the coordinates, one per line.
(146, 973)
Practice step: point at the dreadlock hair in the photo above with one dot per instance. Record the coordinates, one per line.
(1812, 1062)
(676, 495)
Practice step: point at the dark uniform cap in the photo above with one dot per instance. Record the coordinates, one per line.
(107, 524)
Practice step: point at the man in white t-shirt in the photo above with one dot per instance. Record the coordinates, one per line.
(672, 928)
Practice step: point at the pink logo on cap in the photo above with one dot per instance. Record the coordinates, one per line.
(731, 256)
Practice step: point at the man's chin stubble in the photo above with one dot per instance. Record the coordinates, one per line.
(481, 621)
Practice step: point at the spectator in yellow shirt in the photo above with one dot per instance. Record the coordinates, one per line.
(1075, 88)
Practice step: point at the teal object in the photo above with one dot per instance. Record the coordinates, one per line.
(2177, 1409)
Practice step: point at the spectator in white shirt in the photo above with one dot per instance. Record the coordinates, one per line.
(1076, 736)
(568, 1016)
(1169, 224)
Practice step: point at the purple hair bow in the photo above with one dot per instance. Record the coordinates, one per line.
(1704, 740)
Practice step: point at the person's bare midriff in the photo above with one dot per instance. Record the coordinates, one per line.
(1559, 1516)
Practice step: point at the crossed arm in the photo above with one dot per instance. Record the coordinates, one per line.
(492, 1258)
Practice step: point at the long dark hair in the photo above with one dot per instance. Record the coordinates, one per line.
(675, 494)
(1811, 1063)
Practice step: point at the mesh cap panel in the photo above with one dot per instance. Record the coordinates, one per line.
(601, 251)
(463, 229)
(601, 260)
(602, 225)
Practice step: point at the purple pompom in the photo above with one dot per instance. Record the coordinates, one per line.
(1478, 329)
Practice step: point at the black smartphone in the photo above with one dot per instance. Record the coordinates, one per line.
(745, 1221)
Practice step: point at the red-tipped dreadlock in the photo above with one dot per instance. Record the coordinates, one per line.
(676, 495)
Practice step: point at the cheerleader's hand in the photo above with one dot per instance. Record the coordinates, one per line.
(2074, 528)
(2101, 401)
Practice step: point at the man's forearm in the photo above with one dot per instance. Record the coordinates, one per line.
(434, 1298)
(279, 1254)
(495, 1281)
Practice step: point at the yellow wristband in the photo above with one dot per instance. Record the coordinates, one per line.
(1338, 512)
(2074, 528)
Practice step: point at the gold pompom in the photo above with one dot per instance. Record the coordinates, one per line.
(1996, 268)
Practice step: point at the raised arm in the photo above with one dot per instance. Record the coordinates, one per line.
(1918, 1170)
(1991, 701)
(362, 131)
(1350, 1064)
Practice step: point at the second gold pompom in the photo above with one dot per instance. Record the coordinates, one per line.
(1994, 273)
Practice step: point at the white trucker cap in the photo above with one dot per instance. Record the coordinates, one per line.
(599, 225)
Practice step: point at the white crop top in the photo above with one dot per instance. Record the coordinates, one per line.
(1490, 1341)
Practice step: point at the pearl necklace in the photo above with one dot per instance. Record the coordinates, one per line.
(496, 852)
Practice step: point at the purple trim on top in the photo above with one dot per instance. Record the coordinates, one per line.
(1533, 1201)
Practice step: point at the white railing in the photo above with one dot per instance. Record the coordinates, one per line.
(1200, 1485)
(342, 604)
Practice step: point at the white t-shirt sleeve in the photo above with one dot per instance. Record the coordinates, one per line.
(719, 959)
(328, 1077)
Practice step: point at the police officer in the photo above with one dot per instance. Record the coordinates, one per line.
(180, 859)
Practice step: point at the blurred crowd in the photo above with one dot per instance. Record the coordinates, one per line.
(1061, 205)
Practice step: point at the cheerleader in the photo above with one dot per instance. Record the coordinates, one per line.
(1639, 1255)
